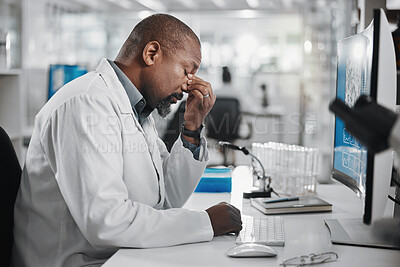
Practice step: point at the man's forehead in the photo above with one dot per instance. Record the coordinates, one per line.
(191, 57)
(193, 50)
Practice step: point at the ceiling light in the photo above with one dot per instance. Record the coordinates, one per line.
(190, 4)
(307, 47)
(155, 5)
(253, 3)
(247, 14)
(219, 3)
(125, 3)
(122, 3)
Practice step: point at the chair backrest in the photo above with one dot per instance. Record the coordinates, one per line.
(10, 172)
(223, 121)
(174, 125)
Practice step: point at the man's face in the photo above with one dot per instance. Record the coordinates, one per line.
(168, 79)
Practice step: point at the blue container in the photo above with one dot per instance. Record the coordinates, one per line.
(215, 180)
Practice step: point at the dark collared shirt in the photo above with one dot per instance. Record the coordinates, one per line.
(140, 107)
(138, 103)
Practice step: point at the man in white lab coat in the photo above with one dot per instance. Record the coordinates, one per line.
(97, 177)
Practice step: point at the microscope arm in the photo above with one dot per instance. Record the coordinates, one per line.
(369, 122)
(394, 139)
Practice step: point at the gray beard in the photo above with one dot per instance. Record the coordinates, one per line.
(164, 107)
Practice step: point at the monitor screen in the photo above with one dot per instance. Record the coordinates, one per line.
(353, 80)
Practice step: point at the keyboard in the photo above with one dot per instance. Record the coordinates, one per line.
(267, 230)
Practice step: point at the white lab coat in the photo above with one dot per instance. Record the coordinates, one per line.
(95, 180)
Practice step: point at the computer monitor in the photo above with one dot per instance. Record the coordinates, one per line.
(62, 74)
(366, 65)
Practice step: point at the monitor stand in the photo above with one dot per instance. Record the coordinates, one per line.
(355, 232)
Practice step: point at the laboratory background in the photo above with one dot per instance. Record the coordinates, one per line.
(281, 56)
(281, 70)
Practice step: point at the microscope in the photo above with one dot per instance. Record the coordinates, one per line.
(378, 128)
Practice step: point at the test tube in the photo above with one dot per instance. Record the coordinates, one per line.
(293, 168)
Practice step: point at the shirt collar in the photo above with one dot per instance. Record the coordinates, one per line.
(138, 103)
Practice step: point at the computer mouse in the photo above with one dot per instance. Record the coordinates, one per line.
(251, 250)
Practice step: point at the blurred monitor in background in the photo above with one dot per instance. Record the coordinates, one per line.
(63, 74)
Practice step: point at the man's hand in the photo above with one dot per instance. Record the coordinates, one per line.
(225, 218)
(197, 106)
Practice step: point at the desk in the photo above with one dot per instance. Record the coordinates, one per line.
(304, 234)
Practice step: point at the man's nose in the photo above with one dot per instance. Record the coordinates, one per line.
(184, 87)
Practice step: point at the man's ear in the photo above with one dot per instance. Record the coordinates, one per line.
(151, 52)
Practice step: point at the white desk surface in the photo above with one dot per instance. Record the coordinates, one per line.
(304, 234)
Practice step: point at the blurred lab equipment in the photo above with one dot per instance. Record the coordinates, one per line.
(265, 100)
(262, 181)
(293, 169)
(375, 126)
(4, 49)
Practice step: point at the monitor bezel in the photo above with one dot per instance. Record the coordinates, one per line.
(346, 180)
(369, 183)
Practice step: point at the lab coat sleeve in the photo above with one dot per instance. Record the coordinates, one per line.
(83, 146)
(182, 172)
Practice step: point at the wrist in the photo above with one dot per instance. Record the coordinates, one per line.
(192, 126)
(191, 132)
(191, 140)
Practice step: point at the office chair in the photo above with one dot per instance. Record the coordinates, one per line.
(11, 176)
(224, 121)
(174, 125)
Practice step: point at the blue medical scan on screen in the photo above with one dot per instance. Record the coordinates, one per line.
(352, 81)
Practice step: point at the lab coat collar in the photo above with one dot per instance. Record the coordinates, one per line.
(107, 72)
(110, 78)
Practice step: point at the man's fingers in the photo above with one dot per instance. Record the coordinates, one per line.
(199, 87)
(196, 83)
(235, 212)
(236, 228)
(196, 94)
(235, 215)
(237, 222)
(225, 218)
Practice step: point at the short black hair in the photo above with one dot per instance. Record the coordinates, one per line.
(167, 30)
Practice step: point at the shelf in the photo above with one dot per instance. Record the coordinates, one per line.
(10, 71)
